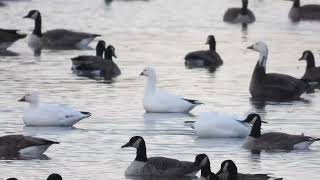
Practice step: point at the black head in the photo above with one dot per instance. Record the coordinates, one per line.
(296, 3)
(12, 179)
(54, 177)
(101, 46)
(135, 142)
(251, 118)
(230, 168)
(306, 55)
(201, 160)
(33, 14)
(110, 52)
(212, 42)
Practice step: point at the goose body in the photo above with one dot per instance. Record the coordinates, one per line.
(25, 146)
(305, 12)
(58, 38)
(8, 37)
(239, 15)
(42, 114)
(217, 125)
(156, 166)
(275, 140)
(204, 58)
(159, 101)
(312, 73)
(273, 86)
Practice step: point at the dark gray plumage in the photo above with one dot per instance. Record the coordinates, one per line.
(156, 166)
(239, 15)
(272, 86)
(12, 145)
(275, 140)
(109, 69)
(8, 37)
(312, 72)
(305, 12)
(204, 58)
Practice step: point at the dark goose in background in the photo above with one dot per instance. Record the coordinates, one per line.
(204, 58)
(305, 12)
(239, 15)
(273, 86)
(8, 37)
(312, 72)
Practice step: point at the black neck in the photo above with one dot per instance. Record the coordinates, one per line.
(296, 4)
(99, 51)
(141, 152)
(37, 26)
(206, 170)
(310, 61)
(244, 9)
(212, 46)
(259, 72)
(256, 129)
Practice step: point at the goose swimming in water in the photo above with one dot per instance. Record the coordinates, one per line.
(159, 101)
(305, 12)
(58, 38)
(275, 140)
(312, 72)
(239, 15)
(156, 166)
(8, 37)
(42, 114)
(229, 171)
(109, 69)
(272, 86)
(205, 58)
(23, 146)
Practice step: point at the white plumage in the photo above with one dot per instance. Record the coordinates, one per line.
(42, 114)
(160, 101)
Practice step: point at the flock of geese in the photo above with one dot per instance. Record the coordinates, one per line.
(263, 86)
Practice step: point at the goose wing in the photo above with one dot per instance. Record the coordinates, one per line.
(284, 82)
(211, 56)
(87, 62)
(311, 11)
(231, 14)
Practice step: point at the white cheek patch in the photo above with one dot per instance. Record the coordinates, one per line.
(204, 162)
(225, 167)
(137, 143)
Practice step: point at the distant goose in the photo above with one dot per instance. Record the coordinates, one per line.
(239, 15)
(57, 38)
(312, 72)
(54, 177)
(89, 62)
(25, 146)
(229, 171)
(306, 12)
(41, 114)
(159, 101)
(217, 125)
(272, 86)
(204, 58)
(275, 140)
(156, 166)
(8, 37)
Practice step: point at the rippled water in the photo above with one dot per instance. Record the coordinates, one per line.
(156, 33)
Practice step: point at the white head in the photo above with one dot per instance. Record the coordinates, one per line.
(32, 98)
(262, 48)
(148, 72)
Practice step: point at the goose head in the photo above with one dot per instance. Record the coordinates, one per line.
(262, 48)
(148, 72)
(309, 57)
(251, 118)
(54, 176)
(212, 42)
(32, 98)
(33, 14)
(202, 161)
(135, 141)
(110, 52)
(228, 170)
(101, 46)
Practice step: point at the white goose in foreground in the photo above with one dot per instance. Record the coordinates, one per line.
(156, 166)
(217, 125)
(275, 140)
(23, 146)
(159, 101)
(56, 38)
(41, 114)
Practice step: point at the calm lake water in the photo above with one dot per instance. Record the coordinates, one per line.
(156, 33)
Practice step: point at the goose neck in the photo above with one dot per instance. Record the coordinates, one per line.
(141, 152)
(151, 85)
(206, 170)
(296, 4)
(310, 62)
(37, 26)
(212, 46)
(244, 9)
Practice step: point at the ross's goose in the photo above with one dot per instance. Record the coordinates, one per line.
(41, 114)
(159, 101)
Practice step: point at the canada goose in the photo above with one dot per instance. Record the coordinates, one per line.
(204, 58)
(89, 62)
(275, 140)
(229, 171)
(239, 15)
(159, 101)
(156, 166)
(312, 72)
(43, 114)
(8, 37)
(306, 12)
(54, 176)
(57, 38)
(25, 146)
(109, 69)
(272, 86)
(202, 160)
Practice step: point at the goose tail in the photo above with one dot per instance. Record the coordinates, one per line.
(196, 102)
